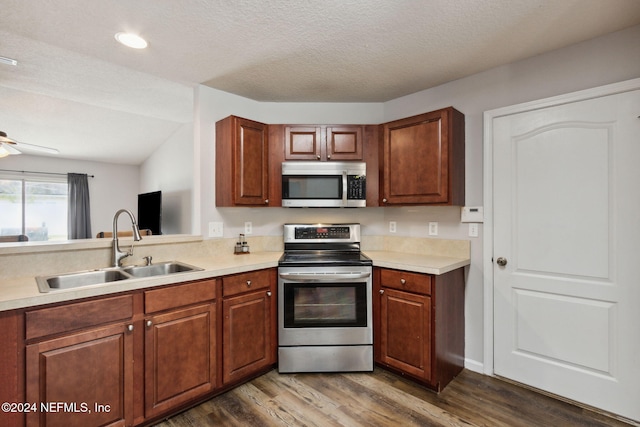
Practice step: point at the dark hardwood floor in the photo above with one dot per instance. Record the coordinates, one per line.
(383, 399)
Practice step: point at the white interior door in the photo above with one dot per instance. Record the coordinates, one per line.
(566, 220)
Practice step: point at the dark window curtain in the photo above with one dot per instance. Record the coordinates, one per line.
(79, 209)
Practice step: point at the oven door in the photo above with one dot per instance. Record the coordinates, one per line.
(324, 306)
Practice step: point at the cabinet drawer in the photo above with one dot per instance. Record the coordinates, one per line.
(405, 281)
(240, 283)
(179, 296)
(71, 317)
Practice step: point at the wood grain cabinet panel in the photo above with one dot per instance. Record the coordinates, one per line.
(249, 341)
(180, 357)
(406, 332)
(419, 324)
(242, 156)
(324, 142)
(423, 159)
(91, 372)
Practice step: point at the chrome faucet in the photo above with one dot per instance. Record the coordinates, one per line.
(119, 255)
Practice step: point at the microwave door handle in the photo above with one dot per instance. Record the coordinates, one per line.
(345, 190)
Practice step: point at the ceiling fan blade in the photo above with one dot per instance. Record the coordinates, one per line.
(37, 148)
(9, 148)
(10, 143)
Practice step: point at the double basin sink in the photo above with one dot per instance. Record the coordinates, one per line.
(112, 274)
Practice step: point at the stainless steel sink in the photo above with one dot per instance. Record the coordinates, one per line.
(95, 277)
(79, 279)
(159, 269)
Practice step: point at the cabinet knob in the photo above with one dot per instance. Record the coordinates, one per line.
(329, 156)
(149, 323)
(268, 293)
(318, 157)
(130, 328)
(248, 283)
(402, 281)
(266, 202)
(384, 200)
(381, 291)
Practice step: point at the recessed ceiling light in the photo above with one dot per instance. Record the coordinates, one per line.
(131, 40)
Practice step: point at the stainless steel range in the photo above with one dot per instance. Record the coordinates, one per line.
(324, 300)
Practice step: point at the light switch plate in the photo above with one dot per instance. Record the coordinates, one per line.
(473, 229)
(248, 227)
(472, 214)
(392, 226)
(215, 229)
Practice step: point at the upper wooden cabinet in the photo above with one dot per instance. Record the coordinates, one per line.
(324, 143)
(422, 159)
(242, 169)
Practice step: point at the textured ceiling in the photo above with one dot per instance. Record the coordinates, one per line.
(77, 90)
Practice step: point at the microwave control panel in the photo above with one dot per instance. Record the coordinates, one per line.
(356, 187)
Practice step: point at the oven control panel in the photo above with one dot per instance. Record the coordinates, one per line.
(329, 232)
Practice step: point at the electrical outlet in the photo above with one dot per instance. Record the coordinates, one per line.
(215, 229)
(392, 226)
(433, 229)
(248, 228)
(473, 229)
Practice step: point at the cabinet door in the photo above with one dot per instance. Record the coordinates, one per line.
(242, 150)
(405, 332)
(86, 379)
(180, 357)
(344, 143)
(303, 143)
(423, 159)
(248, 334)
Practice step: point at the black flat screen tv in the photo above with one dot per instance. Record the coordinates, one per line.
(150, 212)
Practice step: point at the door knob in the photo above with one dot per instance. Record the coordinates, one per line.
(501, 261)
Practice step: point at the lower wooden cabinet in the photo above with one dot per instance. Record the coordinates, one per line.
(405, 333)
(249, 308)
(129, 359)
(83, 379)
(419, 324)
(180, 355)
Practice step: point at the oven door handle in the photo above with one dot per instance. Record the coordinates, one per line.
(301, 277)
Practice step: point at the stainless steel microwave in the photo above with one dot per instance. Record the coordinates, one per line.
(324, 184)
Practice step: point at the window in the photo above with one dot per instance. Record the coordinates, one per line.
(34, 207)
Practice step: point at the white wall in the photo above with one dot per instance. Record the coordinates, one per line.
(608, 59)
(170, 170)
(113, 186)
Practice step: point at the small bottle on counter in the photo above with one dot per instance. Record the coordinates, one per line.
(242, 247)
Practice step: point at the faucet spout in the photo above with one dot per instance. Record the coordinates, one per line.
(118, 254)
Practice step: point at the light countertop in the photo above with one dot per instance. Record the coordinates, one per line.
(23, 292)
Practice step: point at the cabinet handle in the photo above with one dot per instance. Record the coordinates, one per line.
(130, 328)
(381, 291)
(268, 293)
(402, 281)
(149, 323)
(248, 283)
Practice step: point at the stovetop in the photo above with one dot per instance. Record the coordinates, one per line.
(326, 244)
(309, 258)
